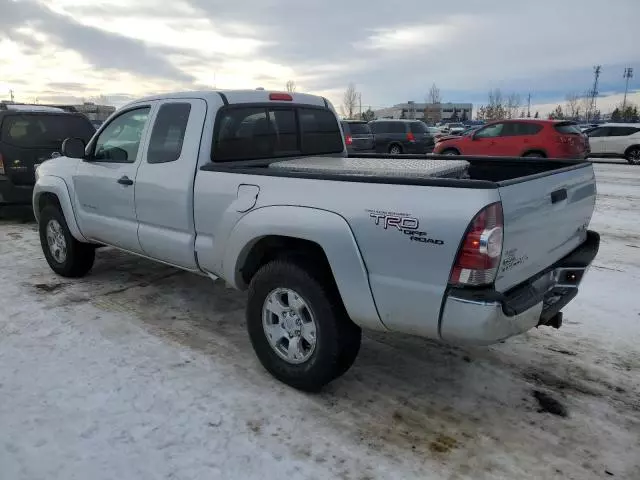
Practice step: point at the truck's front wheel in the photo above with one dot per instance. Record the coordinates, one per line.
(298, 326)
(65, 255)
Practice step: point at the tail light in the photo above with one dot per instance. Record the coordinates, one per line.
(479, 256)
(564, 139)
(348, 140)
(411, 137)
(1, 165)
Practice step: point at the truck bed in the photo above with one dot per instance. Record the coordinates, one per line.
(433, 170)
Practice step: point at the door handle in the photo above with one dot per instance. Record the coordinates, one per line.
(124, 180)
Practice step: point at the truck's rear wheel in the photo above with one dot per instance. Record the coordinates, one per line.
(65, 255)
(298, 327)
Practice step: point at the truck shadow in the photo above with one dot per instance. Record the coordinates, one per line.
(404, 394)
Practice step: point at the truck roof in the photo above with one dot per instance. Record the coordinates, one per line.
(240, 96)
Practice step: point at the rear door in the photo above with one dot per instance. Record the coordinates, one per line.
(29, 139)
(518, 137)
(544, 219)
(361, 136)
(598, 139)
(164, 183)
(619, 139)
(421, 133)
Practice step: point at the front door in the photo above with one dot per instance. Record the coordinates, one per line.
(598, 139)
(104, 181)
(487, 141)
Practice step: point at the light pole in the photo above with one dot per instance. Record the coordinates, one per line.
(628, 73)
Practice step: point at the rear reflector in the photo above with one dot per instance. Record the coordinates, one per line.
(281, 97)
(1, 165)
(479, 256)
(348, 139)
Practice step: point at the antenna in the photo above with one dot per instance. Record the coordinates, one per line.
(594, 92)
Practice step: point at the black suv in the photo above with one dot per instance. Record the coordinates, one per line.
(402, 136)
(29, 135)
(358, 136)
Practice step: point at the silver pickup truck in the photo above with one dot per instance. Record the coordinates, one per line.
(256, 188)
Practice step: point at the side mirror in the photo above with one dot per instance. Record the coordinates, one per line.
(73, 148)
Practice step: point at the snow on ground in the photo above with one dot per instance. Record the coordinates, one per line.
(140, 371)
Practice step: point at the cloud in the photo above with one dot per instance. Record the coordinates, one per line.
(393, 52)
(101, 49)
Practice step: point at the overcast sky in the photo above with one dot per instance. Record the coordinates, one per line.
(64, 50)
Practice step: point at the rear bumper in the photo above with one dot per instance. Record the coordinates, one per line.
(11, 194)
(483, 317)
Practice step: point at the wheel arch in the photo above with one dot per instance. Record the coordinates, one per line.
(446, 149)
(631, 147)
(324, 236)
(396, 144)
(538, 151)
(53, 191)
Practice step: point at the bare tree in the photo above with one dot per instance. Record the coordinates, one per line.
(495, 109)
(585, 100)
(350, 101)
(434, 94)
(291, 86)
(572, 107)
(513, 105)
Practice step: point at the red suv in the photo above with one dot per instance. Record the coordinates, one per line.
(519, 138)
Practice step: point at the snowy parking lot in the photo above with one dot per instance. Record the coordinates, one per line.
(140, 371)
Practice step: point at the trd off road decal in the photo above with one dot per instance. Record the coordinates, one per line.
(403, 223)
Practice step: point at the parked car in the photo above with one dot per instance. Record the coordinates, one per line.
(29, 135)
(256, 187)
(617, 140)
(453, 128)
(436, 133)
(401, 136)
(520, 138)
(358, 137)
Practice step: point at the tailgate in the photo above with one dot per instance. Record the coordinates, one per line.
(545, 218)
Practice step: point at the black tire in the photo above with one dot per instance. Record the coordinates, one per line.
(633, 155)
(395, 146)
(533, 155)
(79, 256)
(337, 337)
(450, 151)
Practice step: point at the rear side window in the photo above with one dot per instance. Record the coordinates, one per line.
(520, 129)
(397, 127)
(345, 128)
(38, 130)
(568, 129)
(319, 131)
(623, 131)
(168, 133)
(248, 133)
(359, 128)
(418, 127)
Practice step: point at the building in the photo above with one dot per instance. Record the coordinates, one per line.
(431, 113)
